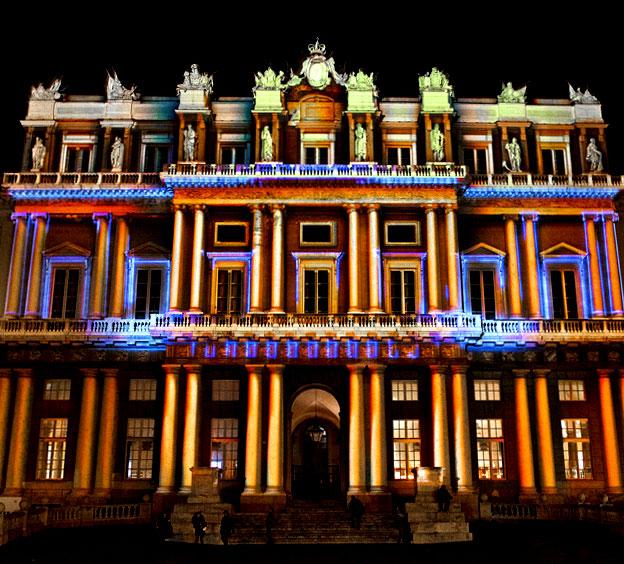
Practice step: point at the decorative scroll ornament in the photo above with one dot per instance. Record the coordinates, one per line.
(319, 70)
(579, 97)
(435, 81)
(117, 91)
(42, 93)
(193, 80)
(511, 96)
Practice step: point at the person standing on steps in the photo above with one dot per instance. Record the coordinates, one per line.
(356, 510)
(444, 498)
(227, 527)
(270, 522)
(199, 524)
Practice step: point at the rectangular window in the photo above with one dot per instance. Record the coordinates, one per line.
(563, 292)
(231, 233)
(77, 159)
(224, 446)
(317, 234)
(142, 389)
(233, 155)
(316, 155)
(316, 291)
(402, 291)
(402, 233)
(571, 390)
(140, 448)
(65, 293)
(475, 160)
(56, 389)
(225, 390)
(406, 447)
(229, 291)
(404, 390)
(399, 156)
(156, 157)
(482, 296)
(487, 390)
(52, 447)
(148, 292)
(490, 449)
(576, 453)
(553, 161)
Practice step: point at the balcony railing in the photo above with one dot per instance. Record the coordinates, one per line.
(552, 329)
(528, 179)
(81, 179)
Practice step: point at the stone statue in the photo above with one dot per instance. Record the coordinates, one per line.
(360, 142)
(116, 91)
(594, 157)
(511, 96)
(513, 150)
(436, 138)
(579, 97)
(189, 143)
(436, 81)
(361, 81)
(269, 80)
(42, 93)
(194, 80)
(38, 154)
(266, 145)
(116, 155)
(318, 69)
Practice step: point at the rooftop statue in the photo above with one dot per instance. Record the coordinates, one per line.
(269, 80)
(319, 70)
(434, 81)
(42, 93)
(361, 81)
(193, 80)
(511, 96)
(579, 97)
(116, 91)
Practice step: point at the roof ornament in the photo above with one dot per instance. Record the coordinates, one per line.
(319, 70)
(579, 97)
(40, 92)
(193, 80)
(511, 96)
(117, 91)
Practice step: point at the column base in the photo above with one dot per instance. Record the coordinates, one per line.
(376, 310)
(376, 501)
(11, 502)
(185, 490)
(354, 310)
(165, 490)
(258, 502)
(356, 490)
(614, 490)
(196, 311)
(277, 310)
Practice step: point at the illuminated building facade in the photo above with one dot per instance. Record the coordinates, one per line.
(314, 290)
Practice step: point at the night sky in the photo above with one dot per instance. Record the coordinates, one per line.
(477, 50)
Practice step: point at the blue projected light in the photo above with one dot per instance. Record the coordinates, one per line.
(92, 194)
(545, 192)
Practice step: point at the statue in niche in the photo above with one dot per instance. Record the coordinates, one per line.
(42, 93)
(116, 91)
(190, 137)
(594, 156)
(116, 155)
(511, 96)
(579, 97)
(38, 154)
(436, 137)
(515, 158)
(360, 142)
(266, 144)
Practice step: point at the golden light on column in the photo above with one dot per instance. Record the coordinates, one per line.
(108, 432)
(513, 267)
(354, 273)
(432, 261)
(441, 456)
(452, 259)
(33, 290)
(168, 442)
(197, 267)
(530, 253)
(374, 262)
(523, 434)
(277, 270)
(253, 443)
(609, 434)
(275, 459)
(378, 464)
(5, 403)
(461, 426)
(256, 260)
(85, 449)
(594, 265)
(122, 242)
(100, 269)
(175, 285)
(546, 458)
(191, 425)
(16, 270)
(614, 268)
(357, 445)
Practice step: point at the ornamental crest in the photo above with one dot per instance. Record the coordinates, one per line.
(318, 70)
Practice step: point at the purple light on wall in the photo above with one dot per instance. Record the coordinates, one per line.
(292, 349)
(313, 349)
(331, 349)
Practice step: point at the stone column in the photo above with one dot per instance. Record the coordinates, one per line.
(374, 260)
(378, 462)
(354, 263)
(432, 261)
(16, 271)
(544, 433)
(105, 161)
(20, 433)
(27, 154)
(35, 273)
(441, 455)
(523, 435)
(5, 404)
(461, 425)
(275, 451)
(191, 425)
(253, 444)
(201, 138)
(277, 267)
(530, 251)
(583, 148)
(428, 151)
(615, 284)
(454, 299)
(168, 443)
(85, 449)
(181, 137)
(99, 279)
(108, 433)
(357, 445)
(127, 156)
(609, 434)
(513, 268)
(594, 265)
(122, 242)
(448, 141)
(257, 250)
(197, 270)
(175, 286)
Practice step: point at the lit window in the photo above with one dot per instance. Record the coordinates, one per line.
(404, 390)
(224, 446)
(402, 291)
(56, 389)
(406, 447)
(576, 453)
(482, 293)
(490, 448)
(52, 447)
(65, 293)
(142, 389)
(225, 390)
(140, 448)
(399, 156)
(571, 390)
(563, 293)
(487, 390)
(229, 291)
(148, 292)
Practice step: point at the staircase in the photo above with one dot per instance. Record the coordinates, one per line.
(430, 526)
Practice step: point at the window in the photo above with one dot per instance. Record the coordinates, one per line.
(231, 233)
(399, 156)
(224, 446)
(576, 454)
(490, 449)
(140, 448)
(225, 390)
(475, 160)
(233, 154)
(402, 232)
(142, 389)
(487, 390)
(404, 390)
(52, 447)
(149, 283)
(156, 156)
(406, 447)
(554, 161)
(317, 281)
(316, 291)
(316, 155)
(56, 389)
(402, 291)
(78, 159)
(482, 293)
(65, 293)
(563, 293)
(571, 390)
(317, 234)
(229, 291)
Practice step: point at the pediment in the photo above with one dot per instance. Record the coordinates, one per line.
(148, 249)
(67, 249)
(483, 249)
(562, 249)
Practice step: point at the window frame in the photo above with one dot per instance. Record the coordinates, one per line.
(495, 261)
(64, 390)
(214, 391)
(152, 388)
(218, 243)
(418, 233)
(229, 261)
(135, 439)
(488, 391)
(332, 227)
(404, 261)
(401, 389)
(404, 447)
(46, 457)
(231, 473)
(54, 263)
(498, 440)
(575, 263)
(136, 263)
(585, 450)
(317, 261)
(399, 147)
(571, 390)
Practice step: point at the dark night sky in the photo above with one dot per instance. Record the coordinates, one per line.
(478, 50)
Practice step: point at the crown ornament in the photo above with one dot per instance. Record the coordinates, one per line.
(316, 48)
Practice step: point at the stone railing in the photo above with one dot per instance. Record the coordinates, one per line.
(551, 329)
(81, 179)
(513, 511)
(528, 179)
(18, 524)
(599, 513)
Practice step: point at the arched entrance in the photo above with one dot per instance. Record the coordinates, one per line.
(315, 424)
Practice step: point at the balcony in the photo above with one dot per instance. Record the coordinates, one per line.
(81, 179)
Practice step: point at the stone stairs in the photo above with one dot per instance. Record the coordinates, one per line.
(430, 526)
(181, 521)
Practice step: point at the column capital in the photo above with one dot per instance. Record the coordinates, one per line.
(277, 207)
(200, 207)
(612, 216)
(110, 372)
(5, 372)
(448, 208)
(24, 372)
(510, 217)
(352, 207)
(356, 368)
(590, 216)
(101, 216)
(520, 372)
(39, 215)
(254, 368)
(89, 372)
(541, 372)
(172, 369)
(529, 216)
(276, 368)
(438, 368)
(372, 207)
(429, 208)
(256, 207)
(459, 369)
(621, 372)
(604, 372)
(193, 368)
(16, 216)
(379, 368)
